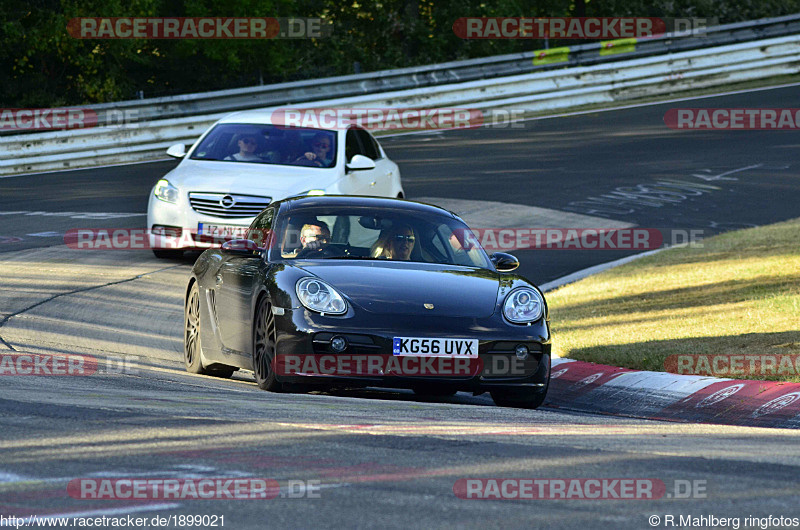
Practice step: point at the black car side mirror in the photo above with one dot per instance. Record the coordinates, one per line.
(242, 248)
(504, 262)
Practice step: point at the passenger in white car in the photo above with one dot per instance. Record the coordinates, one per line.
(248, 145)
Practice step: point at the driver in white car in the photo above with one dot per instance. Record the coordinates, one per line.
(321, 153)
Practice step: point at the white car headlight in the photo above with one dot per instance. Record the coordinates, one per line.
(318, 296)
(523, 305)
(166, 191)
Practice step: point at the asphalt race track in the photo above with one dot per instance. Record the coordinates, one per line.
(370, 457)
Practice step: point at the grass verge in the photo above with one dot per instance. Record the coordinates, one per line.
(737, 295)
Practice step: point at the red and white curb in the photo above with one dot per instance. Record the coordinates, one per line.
(605, 389)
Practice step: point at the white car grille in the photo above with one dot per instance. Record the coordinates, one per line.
(228, 205)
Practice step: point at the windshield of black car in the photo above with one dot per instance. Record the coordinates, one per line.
(398, 235)
(268, 144)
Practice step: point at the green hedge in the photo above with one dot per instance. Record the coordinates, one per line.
(42, 66)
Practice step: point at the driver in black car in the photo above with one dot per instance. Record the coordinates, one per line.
(314, 237)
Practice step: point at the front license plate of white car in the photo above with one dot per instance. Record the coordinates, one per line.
(222, 231)
(426, 346)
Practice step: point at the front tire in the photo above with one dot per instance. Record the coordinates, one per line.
(264, 347)
(192, 345)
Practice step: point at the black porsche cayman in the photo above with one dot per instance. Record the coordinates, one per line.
(361, 291)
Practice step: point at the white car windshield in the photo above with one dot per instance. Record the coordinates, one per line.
(268, 144)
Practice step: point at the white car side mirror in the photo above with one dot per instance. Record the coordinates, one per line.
(177, 151)
(360, 163)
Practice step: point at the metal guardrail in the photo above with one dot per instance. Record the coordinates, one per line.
(641, 73)
(297, 92)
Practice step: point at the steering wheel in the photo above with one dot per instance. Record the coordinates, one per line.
(303, 161)
(336, 250)
(331, 250)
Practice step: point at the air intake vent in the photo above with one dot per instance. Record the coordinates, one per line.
(228, 205)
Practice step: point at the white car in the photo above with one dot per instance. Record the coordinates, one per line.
(244, 162)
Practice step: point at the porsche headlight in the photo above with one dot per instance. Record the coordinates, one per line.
(318, 296)
(523, 305)
(166, 191)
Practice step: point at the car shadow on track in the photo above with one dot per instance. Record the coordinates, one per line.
(383, 394)
(394, 394)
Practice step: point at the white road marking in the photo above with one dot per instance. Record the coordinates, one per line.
(75, 215)
(490, 214)
(625, 200)
(11, 477)
(44, 234)
(723, 176)
(595, 269)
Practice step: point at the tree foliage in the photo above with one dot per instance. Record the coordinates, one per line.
(41, 65)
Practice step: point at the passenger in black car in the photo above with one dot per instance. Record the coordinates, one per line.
(396, 244)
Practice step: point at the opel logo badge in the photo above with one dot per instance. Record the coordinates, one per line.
(428, 306)
(227, 201)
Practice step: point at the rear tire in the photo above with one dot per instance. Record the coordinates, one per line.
(264, 347)
(521, 398)
(192, 345)
(167, 254)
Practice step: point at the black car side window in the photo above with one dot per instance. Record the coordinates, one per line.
(261, 227)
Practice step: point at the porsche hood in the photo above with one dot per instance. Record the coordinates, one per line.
(392, 288)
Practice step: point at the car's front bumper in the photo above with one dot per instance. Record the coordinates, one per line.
(305, 337)
(181, 215)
